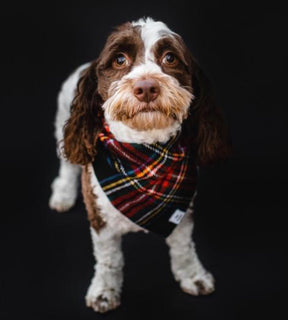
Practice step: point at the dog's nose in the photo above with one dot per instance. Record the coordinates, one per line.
(146, 90)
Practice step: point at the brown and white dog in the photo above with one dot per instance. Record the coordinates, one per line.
(147, 87)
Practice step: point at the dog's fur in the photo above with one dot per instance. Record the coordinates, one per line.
(106, 88)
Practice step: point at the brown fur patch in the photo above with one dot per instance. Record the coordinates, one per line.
(182, 72)
(125, 38)
(90, 199)
(85, 122)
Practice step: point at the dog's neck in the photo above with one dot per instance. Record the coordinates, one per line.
(123, 133)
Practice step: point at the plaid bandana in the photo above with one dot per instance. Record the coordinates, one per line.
(151, 184)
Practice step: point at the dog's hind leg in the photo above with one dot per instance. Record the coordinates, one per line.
(65, 185)
(185, 264)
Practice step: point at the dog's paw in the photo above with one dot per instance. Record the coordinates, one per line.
(61, 201)
(63, 195)
(103, 300)
(202, 284)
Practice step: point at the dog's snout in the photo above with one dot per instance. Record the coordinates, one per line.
(146, 90)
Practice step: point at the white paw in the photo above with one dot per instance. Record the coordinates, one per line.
(102, 300)
(201, 284)
(63, 195)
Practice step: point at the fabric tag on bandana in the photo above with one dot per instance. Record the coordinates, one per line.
(177, 216)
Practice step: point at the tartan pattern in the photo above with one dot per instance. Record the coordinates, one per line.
(146, 182)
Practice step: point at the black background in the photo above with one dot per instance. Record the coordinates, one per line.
(46, 257)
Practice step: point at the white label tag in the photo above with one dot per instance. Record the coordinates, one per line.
(177, 216)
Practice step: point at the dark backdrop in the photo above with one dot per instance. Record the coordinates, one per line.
(46, 259)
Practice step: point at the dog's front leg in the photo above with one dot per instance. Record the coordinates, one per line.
(105, 288)
(185, 264)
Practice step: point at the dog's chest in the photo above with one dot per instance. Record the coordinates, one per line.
(151, 185)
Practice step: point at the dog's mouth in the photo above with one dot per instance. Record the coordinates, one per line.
(150, 108)
(148, 118)
(147, 107)
(155, 111)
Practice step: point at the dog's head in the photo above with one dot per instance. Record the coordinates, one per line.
(147, 79)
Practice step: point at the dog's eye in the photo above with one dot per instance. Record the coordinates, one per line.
(170, 59)
(121, 61)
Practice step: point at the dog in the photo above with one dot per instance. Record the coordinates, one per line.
(138, 122)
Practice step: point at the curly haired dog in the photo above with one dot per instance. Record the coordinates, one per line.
(138, 120)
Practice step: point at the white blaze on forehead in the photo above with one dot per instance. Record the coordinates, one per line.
(143, 69)
(151, 32)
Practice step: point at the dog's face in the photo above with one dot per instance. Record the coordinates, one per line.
(145, 78)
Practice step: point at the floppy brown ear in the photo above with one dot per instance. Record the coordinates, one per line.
(209, 128)
(85, 122)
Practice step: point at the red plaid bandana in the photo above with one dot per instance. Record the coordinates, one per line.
(151, 184)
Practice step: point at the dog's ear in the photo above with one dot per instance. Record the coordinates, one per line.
(85, 123)
(206, 120)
